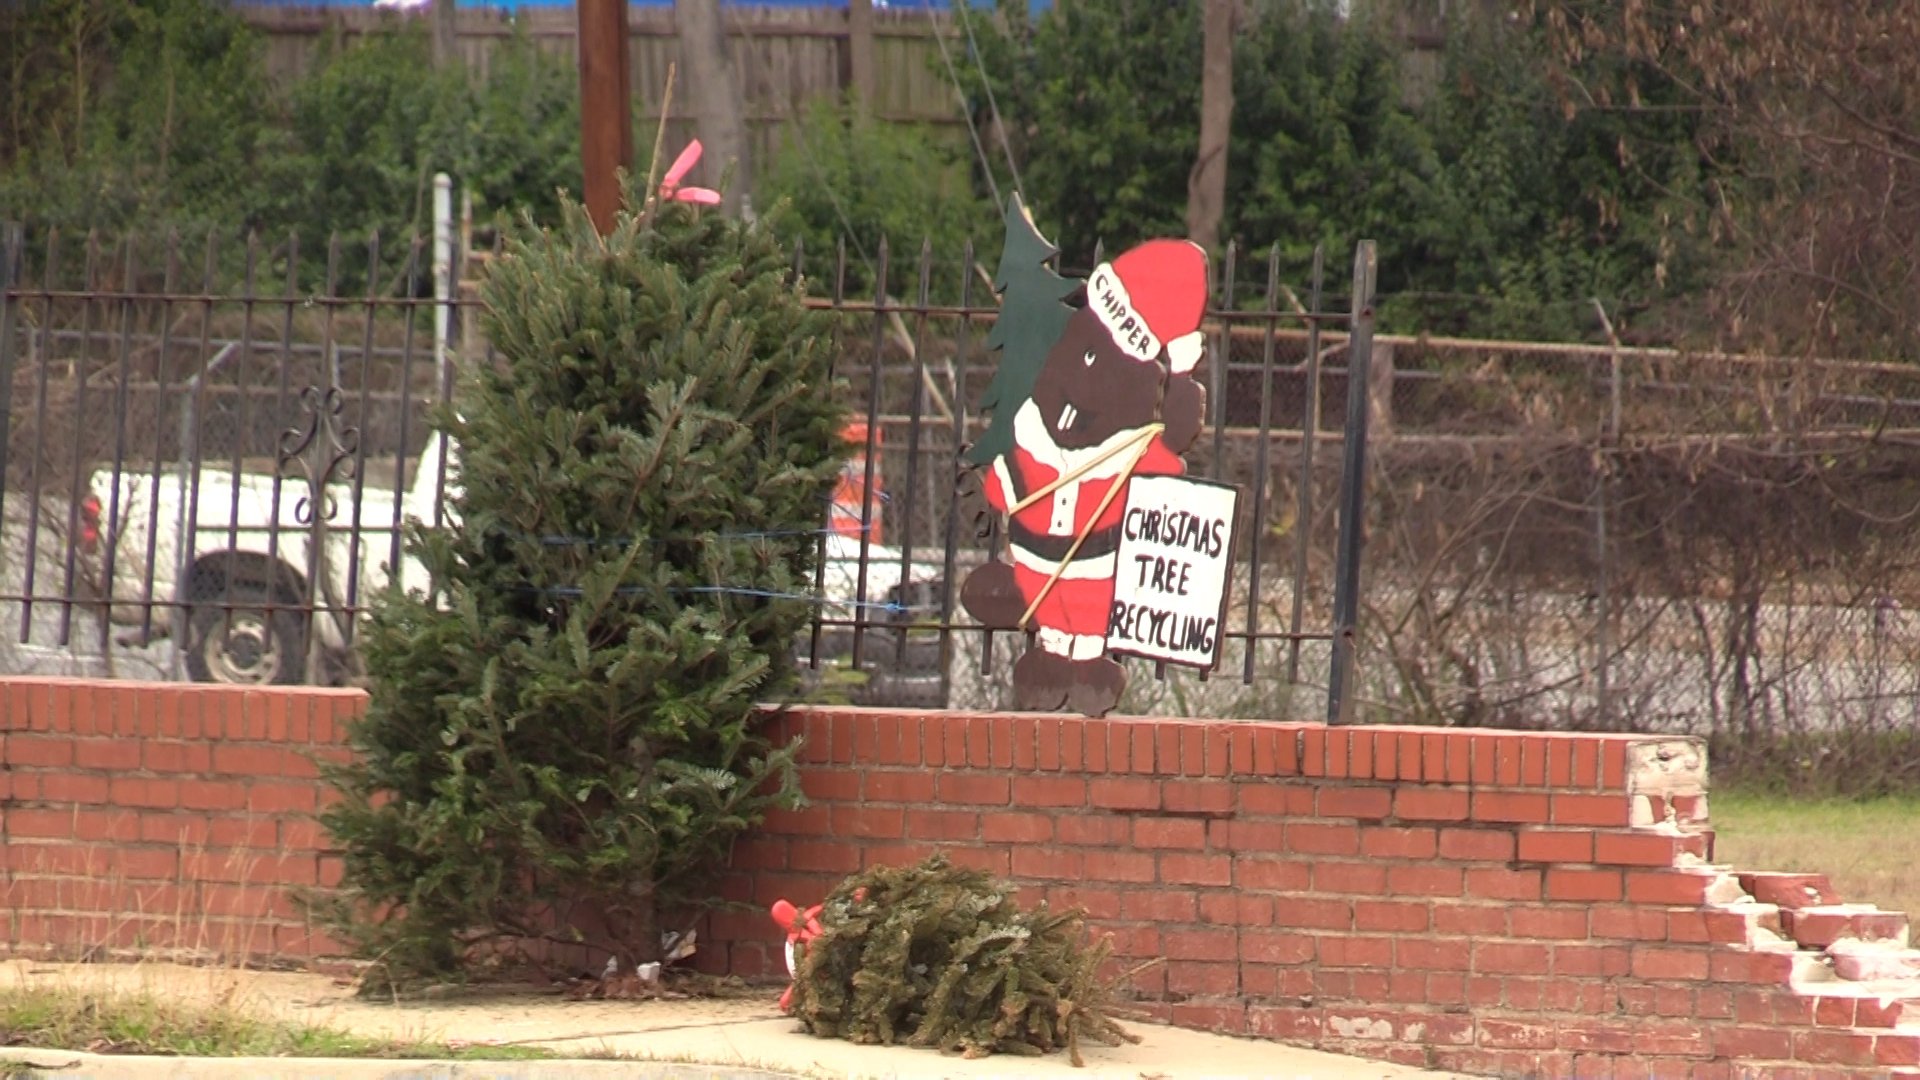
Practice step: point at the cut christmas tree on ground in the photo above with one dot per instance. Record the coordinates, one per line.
(940, 956)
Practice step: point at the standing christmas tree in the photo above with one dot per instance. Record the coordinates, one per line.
(559, 735)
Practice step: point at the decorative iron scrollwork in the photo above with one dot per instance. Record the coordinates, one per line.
(325, 451)
(322, 447)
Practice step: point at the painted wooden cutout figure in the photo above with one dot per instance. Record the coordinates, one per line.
(1111, 396)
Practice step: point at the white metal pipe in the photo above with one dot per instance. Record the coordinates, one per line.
(442, 272)
(442, 317)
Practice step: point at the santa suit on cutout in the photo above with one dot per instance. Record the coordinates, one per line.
(1151, 300)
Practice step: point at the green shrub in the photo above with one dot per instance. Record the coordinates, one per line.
(130, 114)
(843, 174)
(373, 124)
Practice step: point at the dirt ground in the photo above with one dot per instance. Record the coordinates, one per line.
(745, 1031)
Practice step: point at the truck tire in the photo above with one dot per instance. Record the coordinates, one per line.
(248, 645)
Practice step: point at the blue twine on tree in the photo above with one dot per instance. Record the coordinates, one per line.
(771, 594)
(574, 592)
(557, 540)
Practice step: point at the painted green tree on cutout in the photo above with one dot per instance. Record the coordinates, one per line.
(1031, 319)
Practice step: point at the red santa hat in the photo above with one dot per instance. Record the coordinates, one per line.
(1153, 297)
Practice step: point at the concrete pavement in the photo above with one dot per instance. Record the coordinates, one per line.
(767, 1050)
(737, 1037)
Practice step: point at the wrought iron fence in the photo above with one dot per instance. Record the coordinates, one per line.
(201, 451)
(1277, 368)
(211, 449)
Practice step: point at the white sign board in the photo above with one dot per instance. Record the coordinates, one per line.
(1175, 561)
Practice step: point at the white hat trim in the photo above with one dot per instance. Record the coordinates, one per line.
(1184, 352)
(1108, 298)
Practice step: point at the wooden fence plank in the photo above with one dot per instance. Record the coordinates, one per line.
(783, 57)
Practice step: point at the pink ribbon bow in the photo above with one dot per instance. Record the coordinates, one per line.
(670, 188)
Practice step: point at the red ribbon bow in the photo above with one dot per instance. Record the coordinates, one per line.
(801, 927)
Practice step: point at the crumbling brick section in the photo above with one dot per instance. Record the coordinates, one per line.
(1498, 903)
(163, 820)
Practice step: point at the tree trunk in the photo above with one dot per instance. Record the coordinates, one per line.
(446, 47)
(1207, 183)
(718, 114)
(634, 929)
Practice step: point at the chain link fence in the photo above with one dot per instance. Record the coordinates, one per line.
(1645, 539)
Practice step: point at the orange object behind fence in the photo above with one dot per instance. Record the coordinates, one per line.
(852, 507)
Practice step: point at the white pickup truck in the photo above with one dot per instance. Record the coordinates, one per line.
(253, 570)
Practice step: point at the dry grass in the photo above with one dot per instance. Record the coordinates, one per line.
(1867, 847)
(172, 918)
(70, 1018)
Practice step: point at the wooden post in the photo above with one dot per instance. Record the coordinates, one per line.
(606, 125)
(720, 116)
(1380, 392)
(446, 42)
(860, 50)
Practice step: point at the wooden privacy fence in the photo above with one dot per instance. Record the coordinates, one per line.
(781, 58)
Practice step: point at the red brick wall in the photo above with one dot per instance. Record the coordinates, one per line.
(153, 818)
(1474, 900)
(1491, 902)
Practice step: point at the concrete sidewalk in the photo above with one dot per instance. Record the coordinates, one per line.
(767, 1050)
(62, 1065)
(1163, 1053)
(740, 1037)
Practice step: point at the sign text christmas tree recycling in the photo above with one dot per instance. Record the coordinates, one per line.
(1175, 560)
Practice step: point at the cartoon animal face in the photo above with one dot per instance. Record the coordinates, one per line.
(1090, 389)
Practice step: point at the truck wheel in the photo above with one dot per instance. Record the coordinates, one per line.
(235, 646)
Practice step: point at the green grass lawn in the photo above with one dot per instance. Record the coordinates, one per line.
(62, 1018)
(1868, 848)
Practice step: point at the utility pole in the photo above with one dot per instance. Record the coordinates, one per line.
(606, 123)
(718, 113)
(1207, 183)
